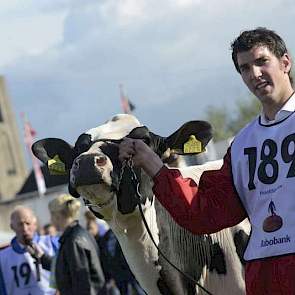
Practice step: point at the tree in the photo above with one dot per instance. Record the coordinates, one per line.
(226, 123)
(219, 119)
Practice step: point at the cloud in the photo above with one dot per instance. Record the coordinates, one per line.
(27, 32)
(67, 58)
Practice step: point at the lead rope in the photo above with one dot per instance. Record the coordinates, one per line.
(129, 164)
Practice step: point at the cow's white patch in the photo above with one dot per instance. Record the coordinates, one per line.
(100, 196)
(115, 128)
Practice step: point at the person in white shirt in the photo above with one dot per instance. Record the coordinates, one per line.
(20, 272)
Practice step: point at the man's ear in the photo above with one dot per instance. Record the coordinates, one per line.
(286, 62)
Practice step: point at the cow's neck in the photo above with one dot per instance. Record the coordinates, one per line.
(140, 253)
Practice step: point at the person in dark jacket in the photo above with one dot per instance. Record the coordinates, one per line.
(114, 264)
(78, 270)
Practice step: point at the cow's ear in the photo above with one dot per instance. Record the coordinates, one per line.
(141, 132)
(83, 143)
(155, 142)
(191, 138)
(56, 153)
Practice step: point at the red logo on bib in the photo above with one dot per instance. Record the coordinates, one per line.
(273, 222)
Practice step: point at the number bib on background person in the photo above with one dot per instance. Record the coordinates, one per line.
(263, 166)
(20, 274)
(18, 271)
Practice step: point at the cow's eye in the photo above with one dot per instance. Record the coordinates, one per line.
(100, 160)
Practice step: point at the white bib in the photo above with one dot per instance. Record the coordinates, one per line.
(263, 168)
(18, 271)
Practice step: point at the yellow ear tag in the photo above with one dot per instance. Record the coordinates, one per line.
(56, 166)
(192, 146)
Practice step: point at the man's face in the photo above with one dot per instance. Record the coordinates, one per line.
(51, 230)
(265, 75)
(24, 225)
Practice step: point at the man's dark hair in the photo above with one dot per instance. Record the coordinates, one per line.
(258, 37)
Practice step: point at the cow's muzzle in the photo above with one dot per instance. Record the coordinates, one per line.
(87, 169)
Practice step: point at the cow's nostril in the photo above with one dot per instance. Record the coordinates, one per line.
(100, 160)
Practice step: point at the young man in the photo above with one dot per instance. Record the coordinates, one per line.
(257, 177)
(20, 273)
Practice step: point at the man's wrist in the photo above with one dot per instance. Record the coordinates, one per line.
(153, 166)
(35, 251)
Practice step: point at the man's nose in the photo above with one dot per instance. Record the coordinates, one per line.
(25, 228)
(255, 72)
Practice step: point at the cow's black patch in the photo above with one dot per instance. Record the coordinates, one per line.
(73, 191)
(155, 142)
(217, 259)
(163, 286)
(98, 215)
(201, 129)
(48, 148)
(127, 198)
(82, 144)
(87, 203)
(241, 241)
(177, 282)
(87, 174)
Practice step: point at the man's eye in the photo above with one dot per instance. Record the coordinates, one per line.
(262, 61)
(243, 69)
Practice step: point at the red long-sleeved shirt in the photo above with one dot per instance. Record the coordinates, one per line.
(214, 205)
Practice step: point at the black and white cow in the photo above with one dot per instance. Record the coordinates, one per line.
(95, 174)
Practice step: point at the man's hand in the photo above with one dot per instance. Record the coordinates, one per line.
(142, 155)
(35, 250)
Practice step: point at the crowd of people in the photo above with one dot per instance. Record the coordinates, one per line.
(63, 257)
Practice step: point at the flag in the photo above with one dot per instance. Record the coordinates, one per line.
(126, 104)
(29, 135)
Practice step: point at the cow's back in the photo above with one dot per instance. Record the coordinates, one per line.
(211, 259)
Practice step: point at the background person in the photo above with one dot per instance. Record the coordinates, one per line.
(116, 269)
(78, 269)
(20, 273)
(94, 229)
(49, 229)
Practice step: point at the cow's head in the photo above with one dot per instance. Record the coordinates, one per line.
(95, 170)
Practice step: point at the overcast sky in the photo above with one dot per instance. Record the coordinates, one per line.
(63, 60)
